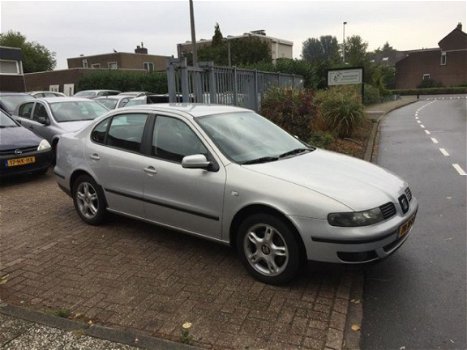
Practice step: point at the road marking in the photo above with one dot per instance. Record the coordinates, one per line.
(434, 140)
(444, 152)
(427, 132)
(422, 126)
(459, 169)
(418, 121)
(416, 118)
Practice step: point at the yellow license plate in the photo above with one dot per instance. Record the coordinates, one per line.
(21, 161)
(405, 227)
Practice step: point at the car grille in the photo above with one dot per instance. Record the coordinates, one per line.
(23, 151)
(388, 210)
(408, 193)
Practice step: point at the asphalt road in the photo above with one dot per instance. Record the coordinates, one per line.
(416, 299)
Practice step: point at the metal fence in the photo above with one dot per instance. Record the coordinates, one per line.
(223, 85)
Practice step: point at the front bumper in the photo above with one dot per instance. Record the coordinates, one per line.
(327, 243)
(42, 160)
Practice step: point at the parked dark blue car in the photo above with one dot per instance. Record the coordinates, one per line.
(21, 151)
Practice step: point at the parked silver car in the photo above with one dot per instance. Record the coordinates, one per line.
(229, 175)
(112, 102)
(50, 117)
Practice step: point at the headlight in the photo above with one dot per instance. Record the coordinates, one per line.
(357, 218)
(44, 146)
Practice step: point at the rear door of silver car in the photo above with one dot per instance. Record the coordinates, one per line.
(115, 155)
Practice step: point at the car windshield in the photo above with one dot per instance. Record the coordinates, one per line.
(6, 121)
(71, 111)
(136, 101)
(109, 103)
(248, 138)
(86, 94)
(12, 101)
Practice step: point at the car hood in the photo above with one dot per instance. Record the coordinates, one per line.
(74, 126)
(17, 137)
(355, 183)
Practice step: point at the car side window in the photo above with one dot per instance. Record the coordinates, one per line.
(173, 139)
(126, 131)
(25, 110)
(40, 113)
(98, 134)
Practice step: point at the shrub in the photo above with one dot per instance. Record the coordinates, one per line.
(321, 139)
(291, 109)
(124, 81)
(431, 91)
(429, 83)
(341, 109)
(371, 95)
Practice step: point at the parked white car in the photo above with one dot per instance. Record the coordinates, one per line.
(229, 175)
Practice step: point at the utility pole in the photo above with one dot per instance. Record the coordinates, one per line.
(343, 45)
(193, 35)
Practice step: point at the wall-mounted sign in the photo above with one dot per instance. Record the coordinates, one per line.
(345, 76)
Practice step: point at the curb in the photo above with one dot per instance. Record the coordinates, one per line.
(123, 336)
(374, 136)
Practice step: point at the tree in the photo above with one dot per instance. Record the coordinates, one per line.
(243, 51)
(36, 58)
(355, 51)
(325, 49)
(217, 38)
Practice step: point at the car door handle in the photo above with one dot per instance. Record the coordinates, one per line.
(150, 170)
(94, 156)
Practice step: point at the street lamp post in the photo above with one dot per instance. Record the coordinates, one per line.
(193, 35)
(343, 45)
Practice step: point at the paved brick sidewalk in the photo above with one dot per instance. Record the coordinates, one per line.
(127, 274)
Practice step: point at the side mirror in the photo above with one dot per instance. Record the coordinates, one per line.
(195, 161)
(43, 120)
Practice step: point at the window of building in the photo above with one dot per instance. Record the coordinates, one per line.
(112, 65)
(149, 66)
(9, 67)
(85, 63)
(426, 76)
(443, 58)
(95, 65)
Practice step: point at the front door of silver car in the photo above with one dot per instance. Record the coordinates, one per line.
(114, 155)
(188, 198)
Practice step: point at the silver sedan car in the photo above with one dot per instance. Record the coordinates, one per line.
(227, 174)
(52, 116)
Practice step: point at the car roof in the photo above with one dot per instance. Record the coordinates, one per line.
(193, 109)
(6, 93)
(112, 97)
(63, 99)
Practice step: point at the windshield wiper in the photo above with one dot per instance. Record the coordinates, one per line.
(295, 151)
(261, 160)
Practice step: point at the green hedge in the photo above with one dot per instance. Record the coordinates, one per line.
(124, 81)
(431, 91)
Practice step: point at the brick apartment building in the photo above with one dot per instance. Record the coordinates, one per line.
(65, 80)
(446, 64)
(121, 60)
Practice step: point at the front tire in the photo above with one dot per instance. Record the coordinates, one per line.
(89, 200)
(269, 249)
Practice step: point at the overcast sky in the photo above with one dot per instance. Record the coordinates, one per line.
(91, 27)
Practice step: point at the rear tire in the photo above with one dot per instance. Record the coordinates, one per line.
(89, 200)
(269, 249)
